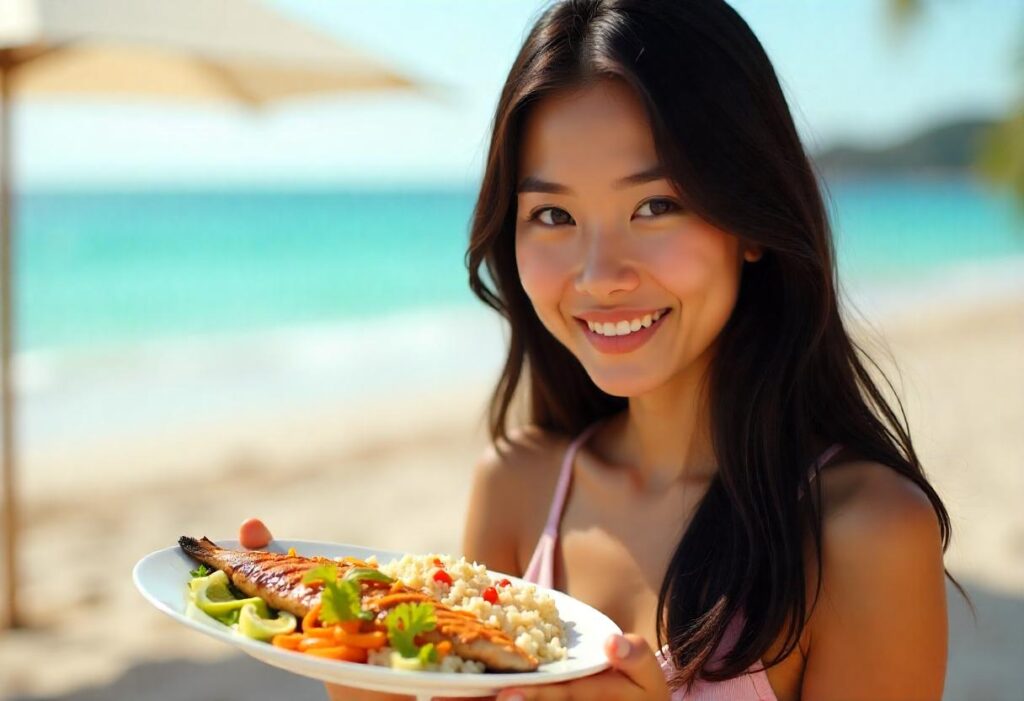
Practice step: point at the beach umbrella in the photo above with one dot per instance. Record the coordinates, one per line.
(227, 51)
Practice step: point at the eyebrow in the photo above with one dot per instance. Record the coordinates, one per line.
(534, 184)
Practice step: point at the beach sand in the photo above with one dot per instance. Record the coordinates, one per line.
(397, 478)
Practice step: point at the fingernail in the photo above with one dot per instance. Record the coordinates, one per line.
(622, 647)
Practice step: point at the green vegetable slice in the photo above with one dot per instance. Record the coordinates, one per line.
(212, 595)
(253, 625)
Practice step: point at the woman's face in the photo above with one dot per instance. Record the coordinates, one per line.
(633, 285)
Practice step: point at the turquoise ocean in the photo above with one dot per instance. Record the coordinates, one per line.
(96, 269)
(240, 296)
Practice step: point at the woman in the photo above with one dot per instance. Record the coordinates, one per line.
(707, 457)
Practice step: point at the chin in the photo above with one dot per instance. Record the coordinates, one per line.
(622, 384)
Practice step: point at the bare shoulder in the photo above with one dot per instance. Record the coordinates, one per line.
(512, 482)
(880, 629)
(862, 494)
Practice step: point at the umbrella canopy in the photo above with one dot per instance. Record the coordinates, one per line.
(228, 51)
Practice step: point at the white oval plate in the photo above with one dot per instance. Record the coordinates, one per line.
(162, 577)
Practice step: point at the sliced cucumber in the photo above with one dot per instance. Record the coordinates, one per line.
(213, 596)
(254, 625)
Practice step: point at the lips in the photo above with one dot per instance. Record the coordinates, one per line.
(597, 326)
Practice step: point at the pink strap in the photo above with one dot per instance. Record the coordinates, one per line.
(541, 568)
(822, 460)
(564, 479)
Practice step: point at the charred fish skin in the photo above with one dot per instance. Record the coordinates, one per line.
(277, 579)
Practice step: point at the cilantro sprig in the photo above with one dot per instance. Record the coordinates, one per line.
(404, 623)
(340, 600)
(200, 571)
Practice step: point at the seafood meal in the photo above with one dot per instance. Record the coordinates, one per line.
(419, 613)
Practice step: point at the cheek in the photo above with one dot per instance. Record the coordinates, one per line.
(700, 265)
(543, 276)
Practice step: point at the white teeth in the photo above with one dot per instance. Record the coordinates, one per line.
(623, 328)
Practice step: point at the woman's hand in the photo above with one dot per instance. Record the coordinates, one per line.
(635, 674)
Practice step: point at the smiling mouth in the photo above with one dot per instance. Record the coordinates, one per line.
(612, 329)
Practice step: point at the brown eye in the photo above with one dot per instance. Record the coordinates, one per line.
(659, 207)
(555, 220)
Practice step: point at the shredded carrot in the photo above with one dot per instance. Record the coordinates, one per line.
(370, 641)
(291, 552)
(318, 632)
(311, 619)
(307, 644)
(289, 641)
(352, 626)
(341, 652)
(443, 648)
(395, 599)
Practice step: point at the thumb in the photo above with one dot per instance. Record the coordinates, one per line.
(254, 534)
(632, 656)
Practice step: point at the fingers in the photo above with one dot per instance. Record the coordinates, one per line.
(254, 534)
(632, 656)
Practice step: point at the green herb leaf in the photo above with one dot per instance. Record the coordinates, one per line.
(200, 571)
(405, 622)
(358, 574)
(340, 601)
(427, 654)
(327, 573)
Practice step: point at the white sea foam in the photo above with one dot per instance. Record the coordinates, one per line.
(72, 394)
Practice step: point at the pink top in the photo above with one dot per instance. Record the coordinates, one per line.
(752, 686)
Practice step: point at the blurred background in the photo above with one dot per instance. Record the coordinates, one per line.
(239, 291)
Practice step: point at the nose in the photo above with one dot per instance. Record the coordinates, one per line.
(604, 269)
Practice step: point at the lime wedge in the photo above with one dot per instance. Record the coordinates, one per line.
(254, 625)
(212, 595)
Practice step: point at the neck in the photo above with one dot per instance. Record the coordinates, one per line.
(665, 436)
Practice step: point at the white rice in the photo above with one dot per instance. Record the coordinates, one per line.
(526, 615)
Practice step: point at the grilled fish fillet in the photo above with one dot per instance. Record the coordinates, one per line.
(277, 579)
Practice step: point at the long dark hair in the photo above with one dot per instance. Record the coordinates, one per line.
(786, 377)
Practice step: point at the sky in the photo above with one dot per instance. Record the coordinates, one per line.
(847, 78)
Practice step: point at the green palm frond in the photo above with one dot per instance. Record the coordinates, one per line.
(1000, 158)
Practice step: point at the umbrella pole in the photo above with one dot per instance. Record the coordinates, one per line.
(10, 515)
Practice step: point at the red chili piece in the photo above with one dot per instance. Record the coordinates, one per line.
(490, 595)
(504, 583)
(442, 576)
